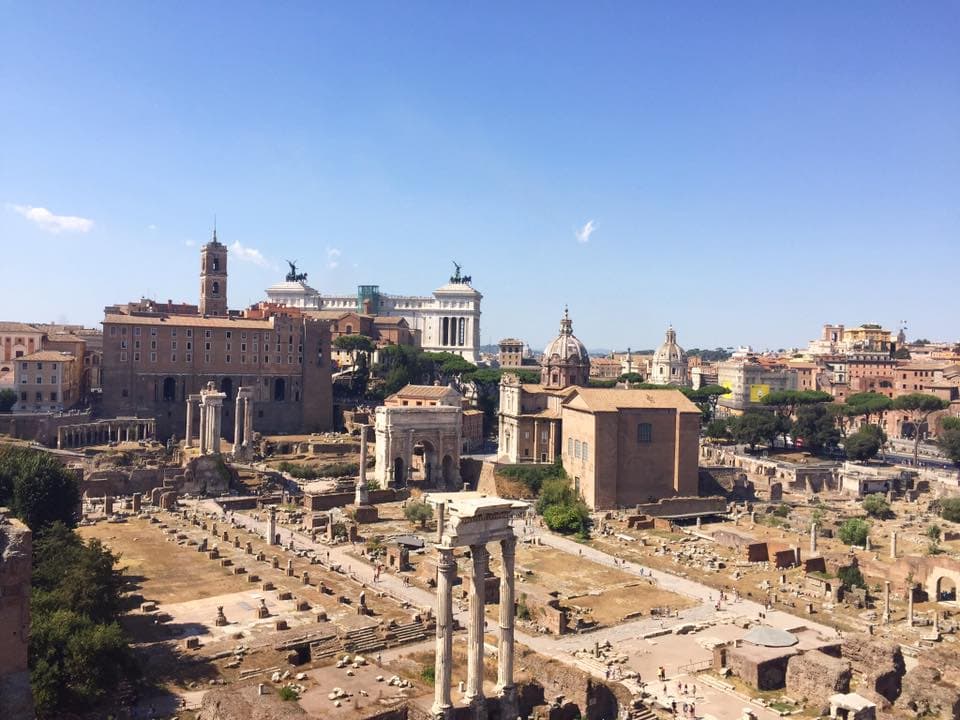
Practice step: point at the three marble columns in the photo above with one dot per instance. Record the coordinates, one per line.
(446, 575)
(210, 403)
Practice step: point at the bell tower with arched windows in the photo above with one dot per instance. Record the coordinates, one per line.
(213, 278)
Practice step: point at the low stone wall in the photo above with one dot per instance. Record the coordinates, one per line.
(328, 501)
(683, 506)
(879, 664)
(814, 676)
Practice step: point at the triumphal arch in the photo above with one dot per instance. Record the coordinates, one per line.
(471, 520)
(418, 445)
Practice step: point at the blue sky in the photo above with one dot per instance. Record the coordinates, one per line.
(749, 170)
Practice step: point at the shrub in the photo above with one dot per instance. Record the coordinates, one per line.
(854, 531)
(418, 512)
(851, 577)
(288, 693)
(428, 674)
(950, 509)
(876, 506)
(934, 533)
(533, 476)
(565, 518)
(862, 445)
(782, 510)
(310, 472)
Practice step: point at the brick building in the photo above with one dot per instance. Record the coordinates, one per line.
(47, 381)
(155, 355)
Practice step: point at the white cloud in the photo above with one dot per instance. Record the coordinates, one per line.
(55, 224)
(333, 258)
(249, 254)
(188, 243)
(151, 227)
(583, 234)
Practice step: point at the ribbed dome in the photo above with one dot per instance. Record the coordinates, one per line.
(669, 352)
(566, 346)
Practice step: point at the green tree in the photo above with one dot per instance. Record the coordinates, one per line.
(8, 398)
(718, 428)
(876, 506)
(949, 440)
(486, 382)
(851, 577)
(754, 427)
(918, 407)
(707, 398)
(566, 519)
(630, 377)
(934, 533)
(37, 488)
(854, 531)
(868, 404)
(901, 354)
(418, 512)
(861, 446)
(950, 509)
(816, 426)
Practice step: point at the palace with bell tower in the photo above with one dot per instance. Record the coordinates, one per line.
(213, 278)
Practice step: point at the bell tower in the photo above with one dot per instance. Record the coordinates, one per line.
(213, 278)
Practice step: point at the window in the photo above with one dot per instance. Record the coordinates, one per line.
(228, 359)
(123, 344)
(644, 433)
(136, 332)
(243, 359)
(153, 344)
(206, 333)
(206, 359)
(206, 346)
(113, 331)
(23, 396)
(173, 357)
(189, 332)
(173, 332)
(586, 451)
(136, 344)
(123, 357)
(39, 366)
(136, 357)
(189, 345)
(228, 334)
(124, 392)
(39, 380)
(53, 380)
(189, 357)
(153, 332)
(243, 347)
(153, 357)
(38, 396)
(173, 345)
(576, 448)
(53, 397)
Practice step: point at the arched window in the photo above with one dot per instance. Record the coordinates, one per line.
(215, 288)
(169, 389)
(279, 389)
(349, 330)
(216, 264)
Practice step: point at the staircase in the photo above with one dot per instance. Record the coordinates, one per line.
(325, 648)
(411, 632)
(362, 640)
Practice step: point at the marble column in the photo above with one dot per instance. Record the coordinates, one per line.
(247, 421)
(474, 693)
(813, 538)
(910, 606)
(272, 526)
(443, 661)
(204, 437)
(238, 407)
(361, 496)
(886, 602)
(505, 687)
(893, 545)
(188, 434)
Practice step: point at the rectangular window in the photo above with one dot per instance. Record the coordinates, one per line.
(173, 345)
(189, 345)
(206, 333)
(123, 357)
(228, 359)
(153, 332)
(243, 336)
(136, 344)
(53, 380)
(136, 332)
(243, 347)
(113, 331)
(123, 344)
(39, 396)
(136, 357)
(228, 347)
(586, 451)
(228, 334)
(189, 332)
(206, 346)
(153, 344)
(173, 332)
(644, 433)
(39, 380)
(173, 357)
(53, 397)
(206, 359)
(266, 359)
(153, 357)
(189, 357)
(243, 359)
(254, 360)
(570, 446)
(576, 448)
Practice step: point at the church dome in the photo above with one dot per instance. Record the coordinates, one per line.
(565, 359)
(669, 365)
(669, 351)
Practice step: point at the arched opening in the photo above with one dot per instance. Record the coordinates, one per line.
(447, 471)
(215, 288)
(424, 463)
(279, 389)
(946, 590)
(216, 264)
(399, 472)
(226, 387)
(169, 389)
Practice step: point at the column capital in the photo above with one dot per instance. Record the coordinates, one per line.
(479, 553)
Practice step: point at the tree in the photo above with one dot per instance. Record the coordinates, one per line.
(354, 344)
(707, 398)
(851, 577)
(37, 488)
(718, 429)
(918, 407)
(754, 427)
(418, 512)
(950, 509)
(8, 398)
(934, 533)
(949, 440)
(787, 401)
(815, 425)
(841, 414)
(854, 531)
(901, 354)
(868, 404)
(861, 446)
(876, 506)
(630, 377)
(566, 519)
(486, 382)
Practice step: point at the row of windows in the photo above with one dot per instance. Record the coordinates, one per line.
(188, 357)
(24, 380)
(38, 396)
(579, 450)
(26, 366)
(208, 334)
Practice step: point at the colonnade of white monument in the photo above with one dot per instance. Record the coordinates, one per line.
(106, 431)
(209, 403)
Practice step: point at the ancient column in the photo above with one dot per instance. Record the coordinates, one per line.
(813, 538)
(910, 606)
(893, 545)
(247, 421)
(443, 661)
(238, 406)
(474, 693)
(204, 437)
(505, 687)
(216, 403)
(188, 434)
(361, 496)
(272, 526)
(886, 602)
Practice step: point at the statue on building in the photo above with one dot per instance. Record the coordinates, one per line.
(293, 275)
(457, 277)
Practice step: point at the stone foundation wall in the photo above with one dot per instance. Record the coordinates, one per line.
(814, 676)
(879, 664)
(39, 427)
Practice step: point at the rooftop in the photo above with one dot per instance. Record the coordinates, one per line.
(14, 327)
(48, 356)
(612, 400)
(188, 321)
(425, 392)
